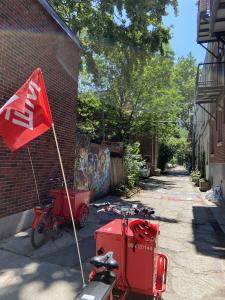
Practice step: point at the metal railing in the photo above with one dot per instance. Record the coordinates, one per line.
(210, 75)
(205, 6)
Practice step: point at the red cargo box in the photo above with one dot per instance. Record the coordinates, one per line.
(77, 198)
(140, 261)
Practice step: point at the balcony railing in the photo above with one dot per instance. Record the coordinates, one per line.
(209, 81)
(211, 20)
(205, 6)
(210, 74)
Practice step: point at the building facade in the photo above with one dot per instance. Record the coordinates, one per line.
(33, 35)
(209, 118)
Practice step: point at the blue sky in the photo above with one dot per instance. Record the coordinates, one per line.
(184, 30)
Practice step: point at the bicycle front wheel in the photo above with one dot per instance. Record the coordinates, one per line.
(39, 233)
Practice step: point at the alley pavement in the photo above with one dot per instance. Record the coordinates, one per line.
(191, 237)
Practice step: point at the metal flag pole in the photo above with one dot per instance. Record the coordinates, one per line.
(68, 199)
(35, 181)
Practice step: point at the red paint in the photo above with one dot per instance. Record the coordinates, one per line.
(77, 198)
(58, 202)
(38, 213)
(27, 114)
(145, 269)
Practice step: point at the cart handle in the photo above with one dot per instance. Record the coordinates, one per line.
(161, 276)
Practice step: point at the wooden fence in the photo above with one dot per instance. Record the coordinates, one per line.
(117, 171)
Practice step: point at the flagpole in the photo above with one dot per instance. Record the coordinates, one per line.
(74, 170)
(68, 199)
(35, 181)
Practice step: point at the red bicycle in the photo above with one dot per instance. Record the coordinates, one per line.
(54, 211)
(127, 265)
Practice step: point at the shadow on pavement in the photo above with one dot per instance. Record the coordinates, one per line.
(55, 265)
(165, 219)
(155, 184)
(176, 172)
(209, 239)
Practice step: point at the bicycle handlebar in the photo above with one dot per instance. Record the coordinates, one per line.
(59, 179)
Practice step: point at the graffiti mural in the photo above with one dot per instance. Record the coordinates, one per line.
(92, 166)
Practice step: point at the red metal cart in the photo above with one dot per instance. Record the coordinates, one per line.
(127, 263)
(142, 269)
(56, 211)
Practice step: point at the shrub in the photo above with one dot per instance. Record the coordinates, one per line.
(133, 162)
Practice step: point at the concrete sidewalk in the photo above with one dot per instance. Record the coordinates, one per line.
(218, 211)
(52, 271)
(190, 236)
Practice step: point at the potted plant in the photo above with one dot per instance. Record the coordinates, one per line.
(204, 185)
(157, 172)
(195, 176)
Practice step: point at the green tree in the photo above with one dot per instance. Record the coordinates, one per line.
(137, 101)
(102, 25)
(185, 79)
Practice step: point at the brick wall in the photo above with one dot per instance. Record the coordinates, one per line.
(30, 38)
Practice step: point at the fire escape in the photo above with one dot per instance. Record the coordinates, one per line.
(211, 30)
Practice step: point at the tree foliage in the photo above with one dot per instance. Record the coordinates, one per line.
(130, 84)
(104, 26)
(175, 148)
(144, 100)
(184, 77)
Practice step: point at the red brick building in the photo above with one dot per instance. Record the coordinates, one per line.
(33, 35)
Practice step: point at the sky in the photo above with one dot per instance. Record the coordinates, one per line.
(185, 30)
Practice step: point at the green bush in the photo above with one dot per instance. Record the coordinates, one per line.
(133, 162)
(174, 161)
(195, 175)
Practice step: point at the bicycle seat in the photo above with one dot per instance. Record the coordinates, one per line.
(106, 261)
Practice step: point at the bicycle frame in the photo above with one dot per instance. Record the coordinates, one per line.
(39, 212)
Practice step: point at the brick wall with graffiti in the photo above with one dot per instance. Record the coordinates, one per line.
(92, 166)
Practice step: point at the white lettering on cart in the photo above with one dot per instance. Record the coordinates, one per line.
(26, 118)
(88, 297)
(140, 247)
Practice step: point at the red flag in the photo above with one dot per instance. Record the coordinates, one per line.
(27, 114)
